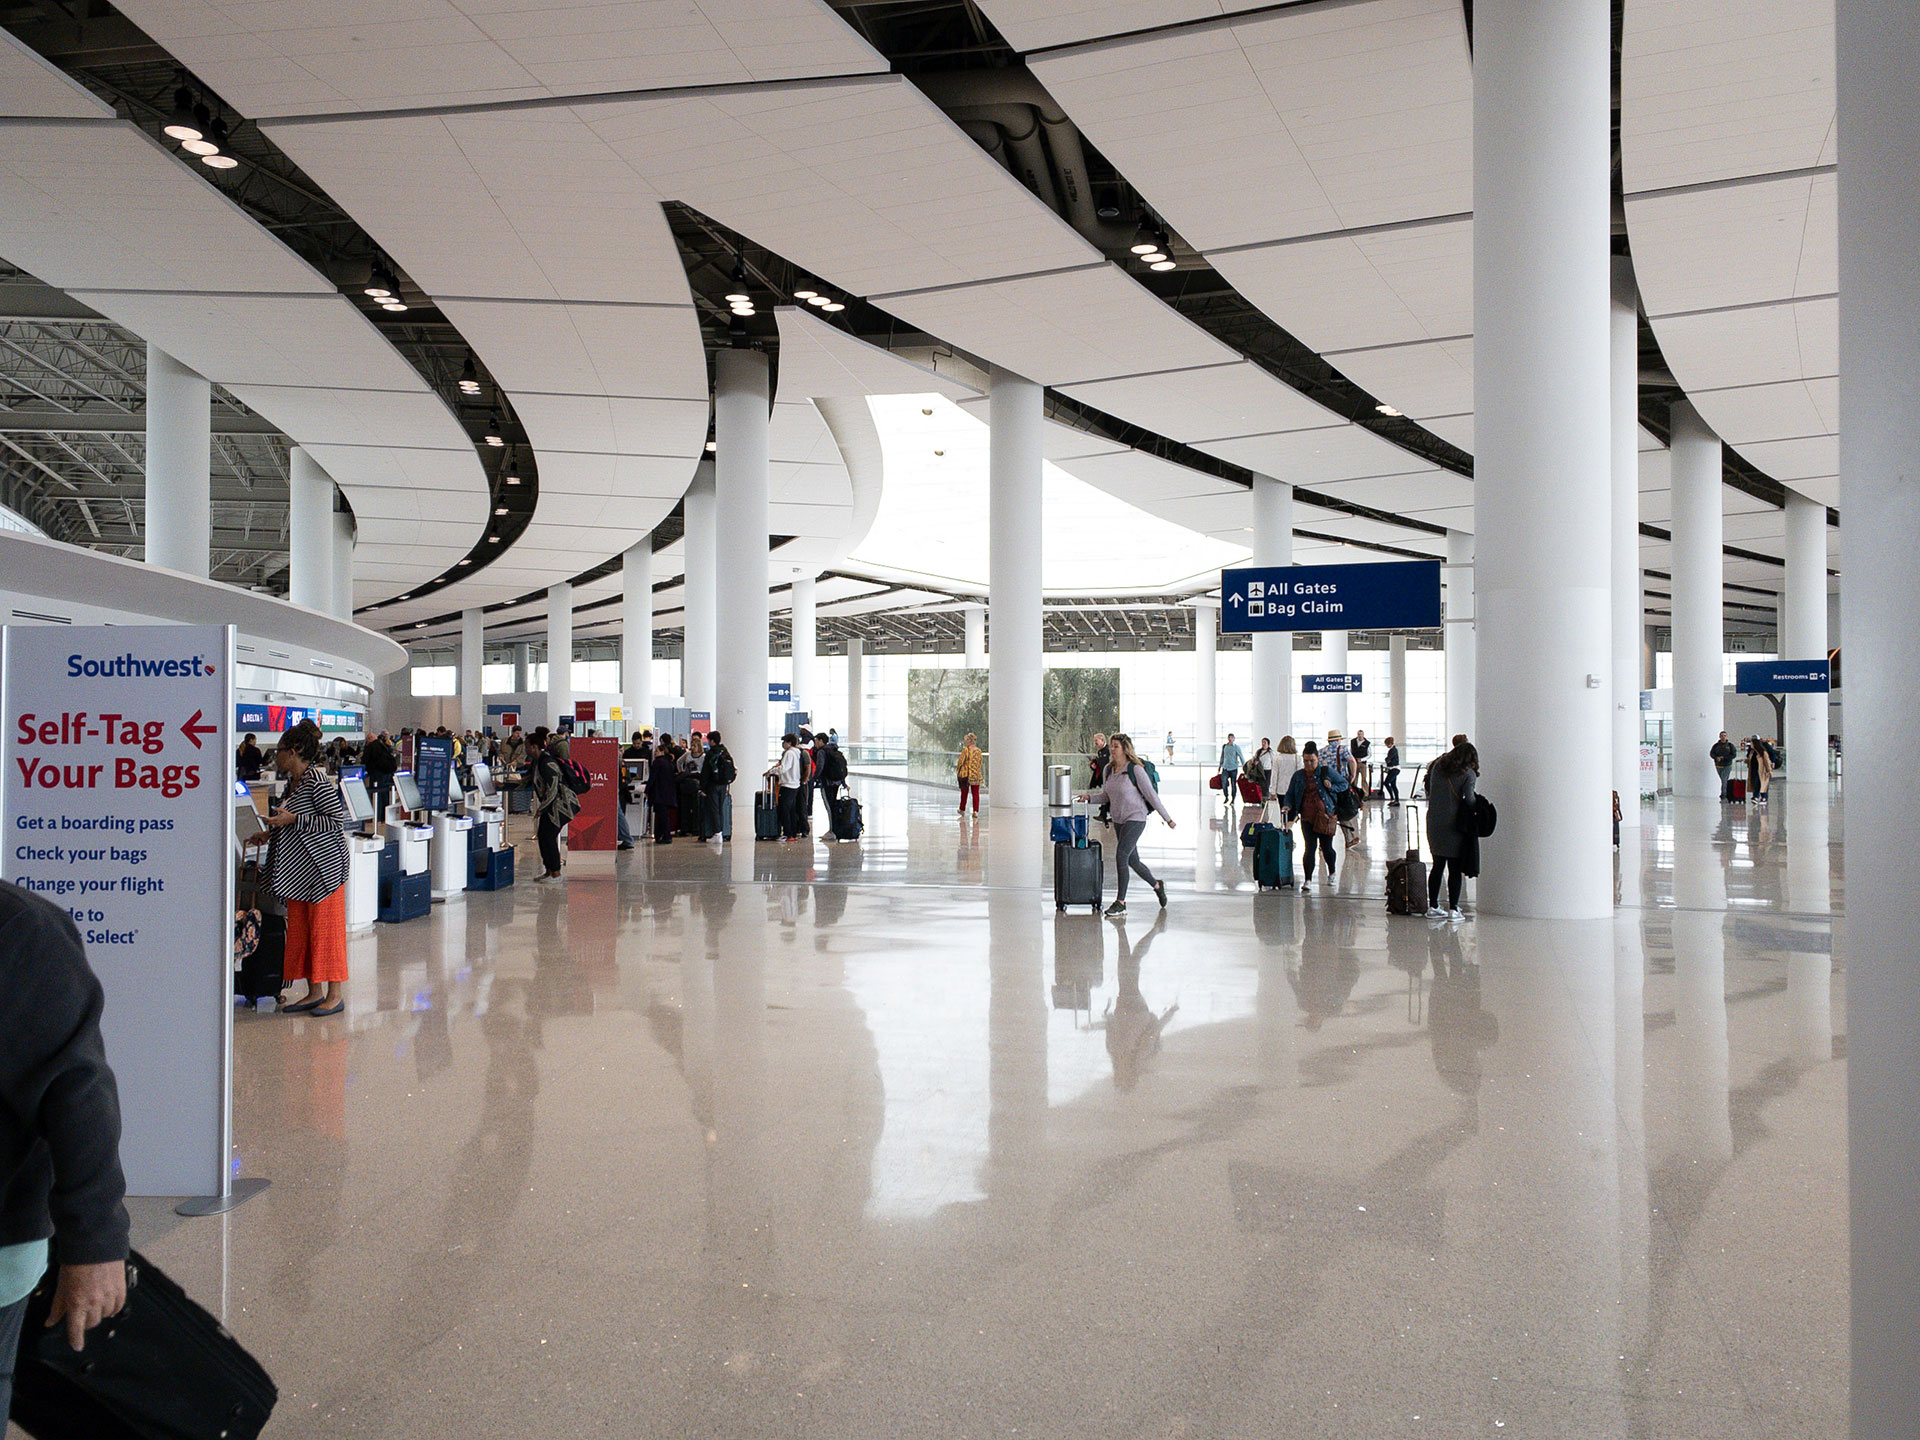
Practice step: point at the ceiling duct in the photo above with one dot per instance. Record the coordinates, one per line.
(1008, 114)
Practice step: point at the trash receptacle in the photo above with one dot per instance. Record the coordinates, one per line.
(1059, 785)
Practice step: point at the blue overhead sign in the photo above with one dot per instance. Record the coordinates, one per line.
(1781, 677)
(779, 693)
(1329, 684)
(1402, 595)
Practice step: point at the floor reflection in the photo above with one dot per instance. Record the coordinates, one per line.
(868, 1140)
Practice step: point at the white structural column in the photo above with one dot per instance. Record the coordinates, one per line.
(179, 491)
(309, 533)
(698, 653)
(1014, 674)
(1699, 631)
(741, 409)
(976, 618)
(1396, 689)
(522, 658)
(1457, 633)
(473, 647)
(1206, 683)
(805, 647)
(856, 687)
(1272, 649)
(1877, 48)
(1542, 157)
(1333, 661)
(1803, 634)
(636, 635)
(343, 565)
(1628, 611)
(559, 653)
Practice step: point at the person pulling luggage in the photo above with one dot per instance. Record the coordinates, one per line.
(1130, 798)
(1231, 759)
(1310, 800)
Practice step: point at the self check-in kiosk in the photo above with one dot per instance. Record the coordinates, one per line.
(405, 882)
(490, 858)
(363, 850)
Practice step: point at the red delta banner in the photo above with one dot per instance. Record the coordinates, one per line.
(595, 827)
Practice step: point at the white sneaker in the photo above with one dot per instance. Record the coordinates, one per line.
(1436, 913)
(1456, 915)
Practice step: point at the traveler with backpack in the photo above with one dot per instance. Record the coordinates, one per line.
(716, 786)
(558, 784)
(1130, 797)
(970, 771)
(830, 775)
(1451, 797)
(1309, 799)
(1341, 768)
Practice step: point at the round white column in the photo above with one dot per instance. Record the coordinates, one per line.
(698, 665)
(636, 635)
(976, 618)
(1542, 157)
(343, 542)
(1272, 649)
(1877, 49)
(559, 653)
(741, 410)
(309, 533)
(1457, 635)
(1333, 661)
(473, 647)
(1803, 634)
(522, 656)
(1014, 669)
(806, 646)
(179, 501)
(1397, 689)
(1699, 629)
(1206, 682)
(856, 688)
(1628, 612)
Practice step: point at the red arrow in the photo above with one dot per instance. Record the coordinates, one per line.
(193, 729)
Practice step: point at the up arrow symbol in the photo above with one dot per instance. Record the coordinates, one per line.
(1234, 599)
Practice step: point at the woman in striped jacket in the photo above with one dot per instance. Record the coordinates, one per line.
(307, 868)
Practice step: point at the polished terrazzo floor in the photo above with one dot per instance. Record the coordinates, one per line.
(872, 1143)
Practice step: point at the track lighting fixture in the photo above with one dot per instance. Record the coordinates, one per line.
(494, 436)
(381, 284)
(469, 378)
(217, 158)
(833, 307)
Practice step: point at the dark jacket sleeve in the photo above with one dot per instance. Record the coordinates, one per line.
(58, 1100)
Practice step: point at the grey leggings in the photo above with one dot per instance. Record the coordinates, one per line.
(1126, 853)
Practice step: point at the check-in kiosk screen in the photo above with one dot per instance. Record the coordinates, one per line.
(406, 790)
(359, 802)
(483, 781)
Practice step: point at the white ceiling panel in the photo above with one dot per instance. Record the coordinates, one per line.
(637, 477)
(1454, 517)
(304, 340)
(1406, 494)
(1142, 479)
(818, 522)
(1811, 457)
(795, 484)
(1064, 328)
(1302, 120)
(799, 435)
(1762, 345)
(30, 86)
(409, 503)
(271, 58)
(1736, 244)
(1338, 292)
(864, 182)
(1315, 457)
(1783, 411)
(403, 468)
(816, 359)
(1826, 491)
(1712, 89)
(1209, 403)
(613, 424)
(103, 206)
(358, 417)
(1455, 429)
(1419, 380)
(1058, 441)
(652, 351)
(1036, 24)
(526, 204)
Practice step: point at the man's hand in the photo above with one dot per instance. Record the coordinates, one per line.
(85, 1295)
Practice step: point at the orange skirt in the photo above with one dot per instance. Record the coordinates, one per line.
(317, 939)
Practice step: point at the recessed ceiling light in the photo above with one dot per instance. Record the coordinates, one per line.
(819, 300)
(466, 562)
(1145, 247)
(1386, 409)
(939, 452)
(1163, 265)
(405, 597)
(393, 307)
(493, 539)
(710, 447)
(513, 479)
(805, 294)
(738, 297)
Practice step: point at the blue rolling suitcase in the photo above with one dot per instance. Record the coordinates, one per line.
(1272, 857)
(766, 814)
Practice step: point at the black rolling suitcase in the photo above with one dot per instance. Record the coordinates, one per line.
(766, 813)
(162, 1369)
(1079, 875)
(848, 823)
(692, 814)
(1407, 876)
